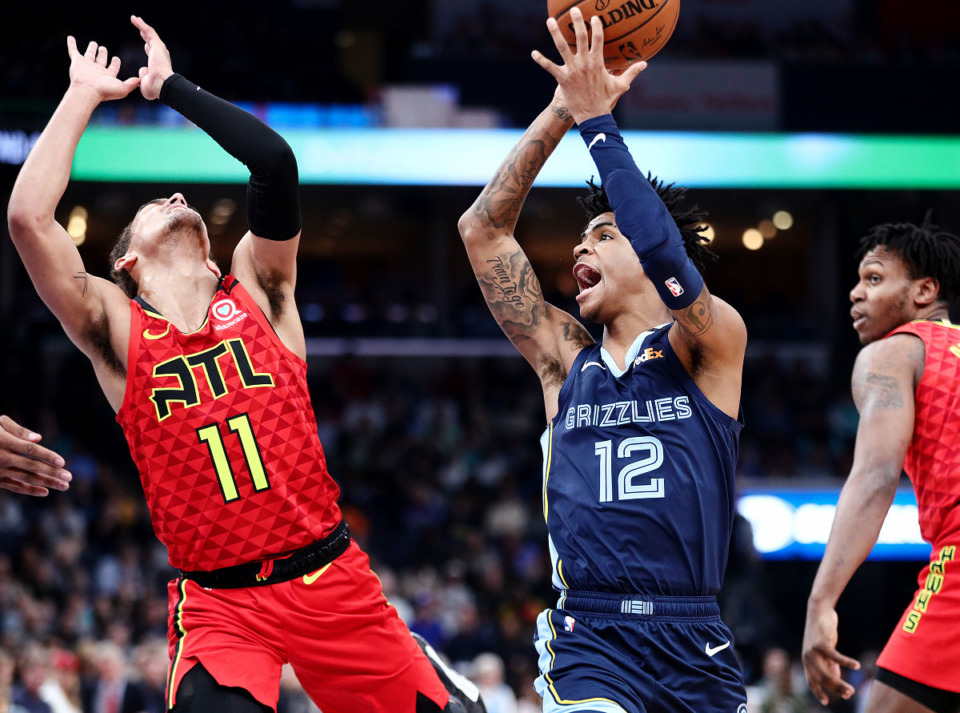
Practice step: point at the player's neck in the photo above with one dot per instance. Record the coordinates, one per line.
(182, 294)
(620, 333)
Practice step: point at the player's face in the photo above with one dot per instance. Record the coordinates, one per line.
(882, 298)
(607, 268)
(169, 222)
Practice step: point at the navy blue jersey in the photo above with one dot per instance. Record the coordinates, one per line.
(638, 476)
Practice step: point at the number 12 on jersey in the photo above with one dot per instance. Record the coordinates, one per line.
(651, 451)
(239, 425)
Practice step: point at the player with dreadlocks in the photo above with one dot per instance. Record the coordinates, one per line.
(906, 385)
(642, 429)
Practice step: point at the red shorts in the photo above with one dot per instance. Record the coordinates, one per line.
(346, 644)
(925, 646)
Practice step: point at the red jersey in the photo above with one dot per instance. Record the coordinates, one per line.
(933, 458)
(220, 425)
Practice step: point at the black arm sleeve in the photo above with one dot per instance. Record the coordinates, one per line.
(273, 192)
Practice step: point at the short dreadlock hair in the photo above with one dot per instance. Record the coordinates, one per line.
(926, 250)
(689, 219)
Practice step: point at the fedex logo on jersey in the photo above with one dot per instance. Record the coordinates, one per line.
(648, 354)
(226, 311)
(676, 289)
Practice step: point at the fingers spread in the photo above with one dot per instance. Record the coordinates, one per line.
(632, 71)
(551, 67)
(102, 56)
(580, 31)
(72, 51)
(91, 51)
(146, 32)
(559, 40)
(596, 36)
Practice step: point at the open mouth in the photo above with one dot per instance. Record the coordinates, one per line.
(586, 276)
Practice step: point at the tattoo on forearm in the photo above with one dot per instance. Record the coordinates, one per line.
(502, 199)
(698, 318)
(577, 336)
(562, 113)
(82, 276)
(513, 294)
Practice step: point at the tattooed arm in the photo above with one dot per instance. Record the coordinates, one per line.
(547, 337)
(885, 378)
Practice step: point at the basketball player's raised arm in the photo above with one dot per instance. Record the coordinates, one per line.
(544, 335)
(81, 302)
(265, 258)
(709, 325)
(884, 381)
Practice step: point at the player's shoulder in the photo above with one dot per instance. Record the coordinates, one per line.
(898, 355)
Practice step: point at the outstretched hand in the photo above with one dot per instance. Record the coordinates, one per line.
(26, 467)
(159, 65)
(821, 660)
(589, 89)
(91, 70)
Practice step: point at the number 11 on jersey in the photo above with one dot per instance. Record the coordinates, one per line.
(239, 425)
(627, 489)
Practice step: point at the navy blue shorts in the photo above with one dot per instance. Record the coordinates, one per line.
(610, 653)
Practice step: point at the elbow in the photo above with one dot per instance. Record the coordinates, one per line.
(276, 158)
(20, 219)
(469, 226)
(284, 162)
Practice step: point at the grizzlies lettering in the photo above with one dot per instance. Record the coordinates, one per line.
(620, 413)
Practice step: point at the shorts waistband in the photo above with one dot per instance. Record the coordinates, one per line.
(279, 569)
(647, 606)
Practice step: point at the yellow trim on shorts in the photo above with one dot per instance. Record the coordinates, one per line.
(546, 675)
(178, 623)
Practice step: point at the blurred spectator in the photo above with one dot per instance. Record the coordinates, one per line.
(110, 690)
(781, 689)
(33, 665)
(487, 673)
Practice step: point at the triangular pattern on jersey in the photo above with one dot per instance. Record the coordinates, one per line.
(933, 458)
(197, 451)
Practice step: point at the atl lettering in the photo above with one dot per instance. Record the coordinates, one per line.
(624, 11)
(183, 369)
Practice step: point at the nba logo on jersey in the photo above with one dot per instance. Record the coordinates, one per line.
(568, 623)
(675, 288)
(224, 309)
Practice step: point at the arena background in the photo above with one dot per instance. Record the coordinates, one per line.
(429, 420)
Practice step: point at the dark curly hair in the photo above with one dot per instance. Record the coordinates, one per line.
(689, 219)
(926, 250)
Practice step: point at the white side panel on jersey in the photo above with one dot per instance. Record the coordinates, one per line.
(552, 700)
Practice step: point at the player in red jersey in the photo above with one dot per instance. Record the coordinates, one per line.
(906, 385)
(207, 374)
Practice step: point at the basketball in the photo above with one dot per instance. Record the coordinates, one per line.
(633, 30)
